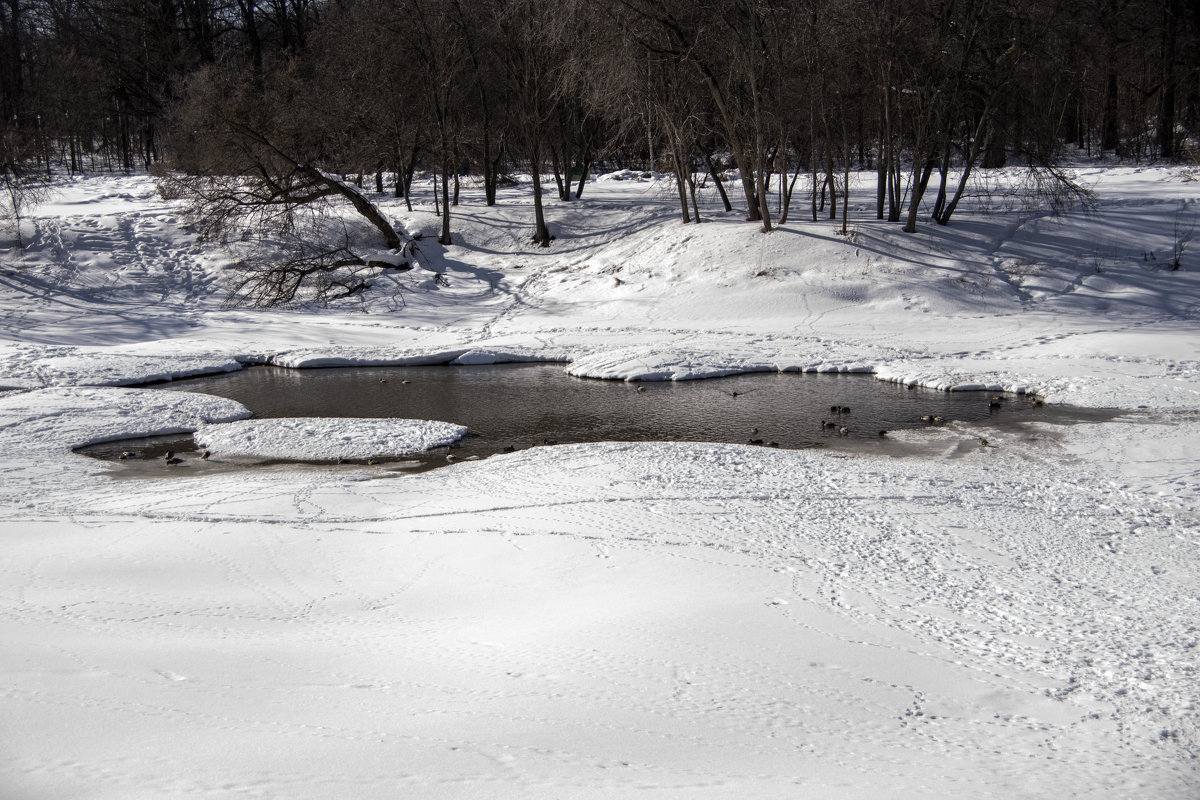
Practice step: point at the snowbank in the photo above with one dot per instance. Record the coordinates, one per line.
(652, 364)
(334, 356)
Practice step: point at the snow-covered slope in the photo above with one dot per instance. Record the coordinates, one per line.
(614, 620)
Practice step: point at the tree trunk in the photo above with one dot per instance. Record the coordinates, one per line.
(944, 169)
(1166, 108)
(493, 168)
(814, 181)
(556, 166)
(831, 179)
(881, 181)
(1110, 138)
(764, 202)
(541, 234)
(361, 204)
(977, 143)
(561, 164)
(712, 171)
(489, 170)
(920, 182)
(584, 173)
(893, 184)
(787, 190)
(444, 239)
(680, 179)
(691, 179)
(744, 165)
(846, 190)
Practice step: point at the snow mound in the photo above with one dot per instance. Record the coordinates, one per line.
(327, 438)
(628, 175)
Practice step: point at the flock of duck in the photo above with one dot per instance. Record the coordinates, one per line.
(995, 403)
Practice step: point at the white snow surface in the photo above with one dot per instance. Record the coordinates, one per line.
(326, 439)
(46, 422)
(614, 620)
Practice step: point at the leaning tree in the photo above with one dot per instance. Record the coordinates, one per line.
(254, 164)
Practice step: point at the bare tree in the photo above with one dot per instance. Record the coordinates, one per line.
(535, 36)
(21, 192)
(252, 170)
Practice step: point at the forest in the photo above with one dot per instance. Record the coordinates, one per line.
(253, 106)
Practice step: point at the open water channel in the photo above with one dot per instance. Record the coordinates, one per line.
(515, 406)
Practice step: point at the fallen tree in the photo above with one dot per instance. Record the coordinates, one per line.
(248, 174)
(307, 271)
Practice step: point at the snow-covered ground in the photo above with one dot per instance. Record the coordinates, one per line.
(613, 620)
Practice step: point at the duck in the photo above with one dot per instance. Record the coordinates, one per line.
(171, 458)
(994, 403)
(204, 456)
(1037, 402)
(508, 449)
(550, 441)
(983, 442)
(829, 425)
(754, 441)
(451, 458)
(843, 431)
(772, 444)
(126, 454)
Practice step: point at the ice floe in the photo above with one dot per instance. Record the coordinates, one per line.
(326, 439)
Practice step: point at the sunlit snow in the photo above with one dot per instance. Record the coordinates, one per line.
(613, 620)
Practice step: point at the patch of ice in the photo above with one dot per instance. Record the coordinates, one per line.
(326, 438)
(46, 420)
(93, 368)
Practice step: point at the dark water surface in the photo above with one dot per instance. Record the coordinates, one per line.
(524, 405)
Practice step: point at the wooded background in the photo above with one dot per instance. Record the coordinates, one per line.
(379, 89)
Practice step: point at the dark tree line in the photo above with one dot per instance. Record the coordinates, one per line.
(921, 91)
